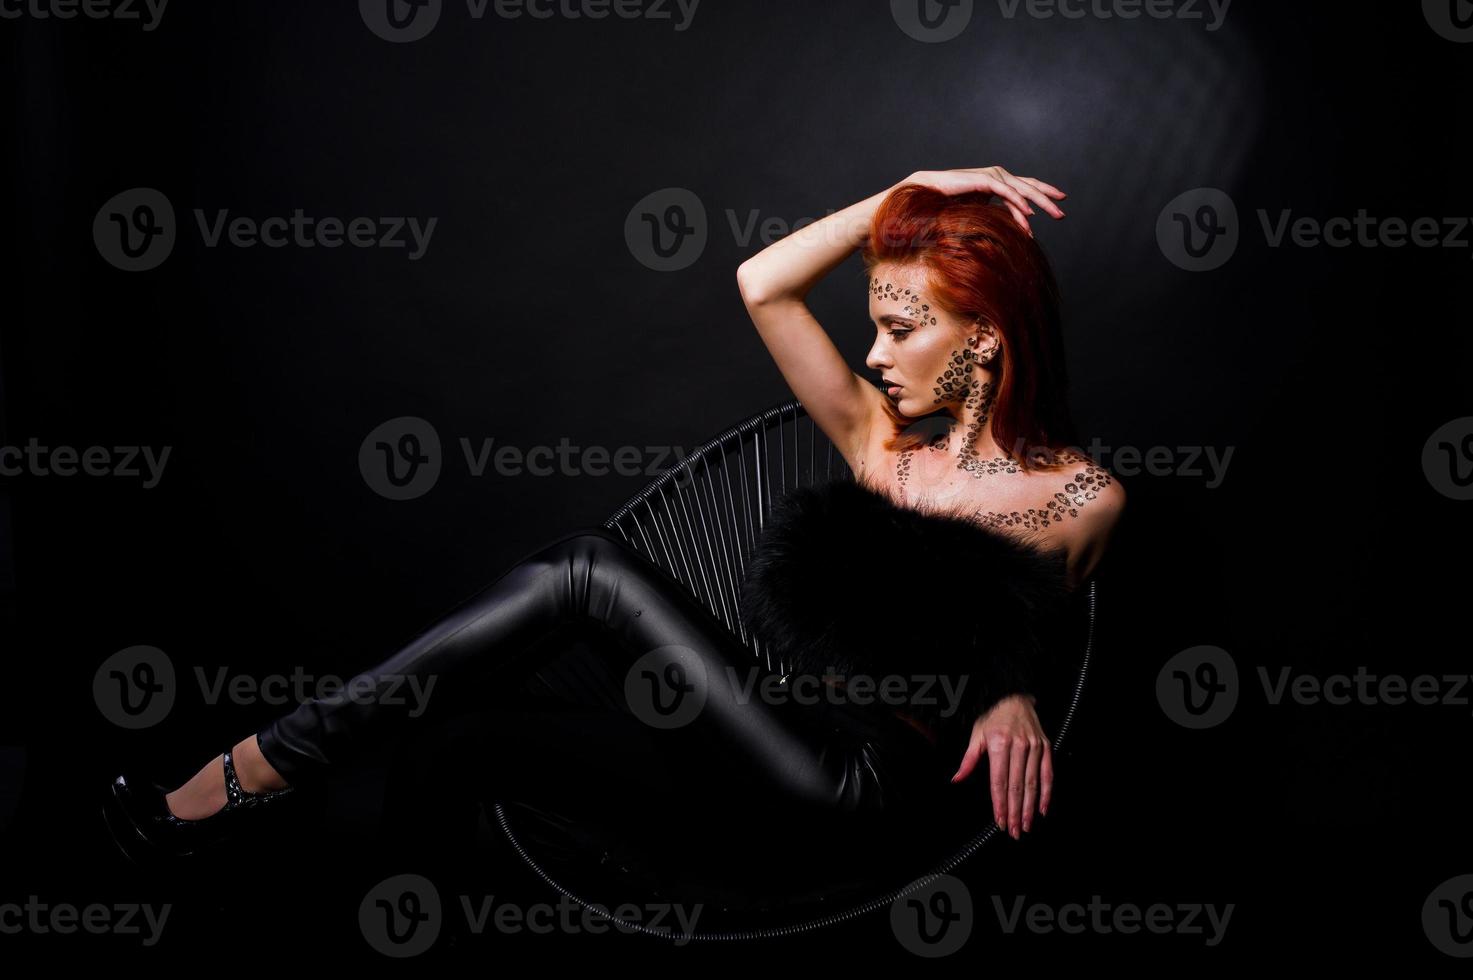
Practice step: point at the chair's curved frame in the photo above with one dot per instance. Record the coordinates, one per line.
(704, 545)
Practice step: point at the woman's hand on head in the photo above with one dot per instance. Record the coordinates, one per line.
(1021, 761)
(1016, 192)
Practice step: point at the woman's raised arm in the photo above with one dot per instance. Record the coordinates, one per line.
(774, 283)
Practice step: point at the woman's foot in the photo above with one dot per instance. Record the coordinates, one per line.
(204, 794)
(141, 818)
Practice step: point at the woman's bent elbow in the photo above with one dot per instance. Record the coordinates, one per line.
(754, 292)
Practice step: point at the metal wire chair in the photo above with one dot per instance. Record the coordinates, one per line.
(699, 521)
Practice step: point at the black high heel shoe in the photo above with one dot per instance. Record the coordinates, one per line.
(138, 818)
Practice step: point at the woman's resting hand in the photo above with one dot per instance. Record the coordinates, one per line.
(1021, 758)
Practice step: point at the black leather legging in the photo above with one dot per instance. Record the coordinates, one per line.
(836, 760)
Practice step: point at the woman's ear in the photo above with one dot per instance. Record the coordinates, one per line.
(983, 342)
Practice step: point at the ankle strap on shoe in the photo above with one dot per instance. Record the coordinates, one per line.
(235, 794)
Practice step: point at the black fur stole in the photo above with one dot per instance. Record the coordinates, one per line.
(845, 580)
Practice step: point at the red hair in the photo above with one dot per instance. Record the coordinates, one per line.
(980, 263)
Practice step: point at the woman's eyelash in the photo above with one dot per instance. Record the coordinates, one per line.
(899, 334)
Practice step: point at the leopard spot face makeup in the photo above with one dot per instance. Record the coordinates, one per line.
(916, 341)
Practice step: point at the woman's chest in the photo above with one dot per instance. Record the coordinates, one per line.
(992, 492)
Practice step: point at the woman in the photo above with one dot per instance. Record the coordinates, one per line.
(968, 343)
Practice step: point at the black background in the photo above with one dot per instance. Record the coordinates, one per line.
(529, 320)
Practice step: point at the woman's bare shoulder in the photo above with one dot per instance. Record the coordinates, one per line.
(1073, 503)
(1087, 502)
(1071, 493)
